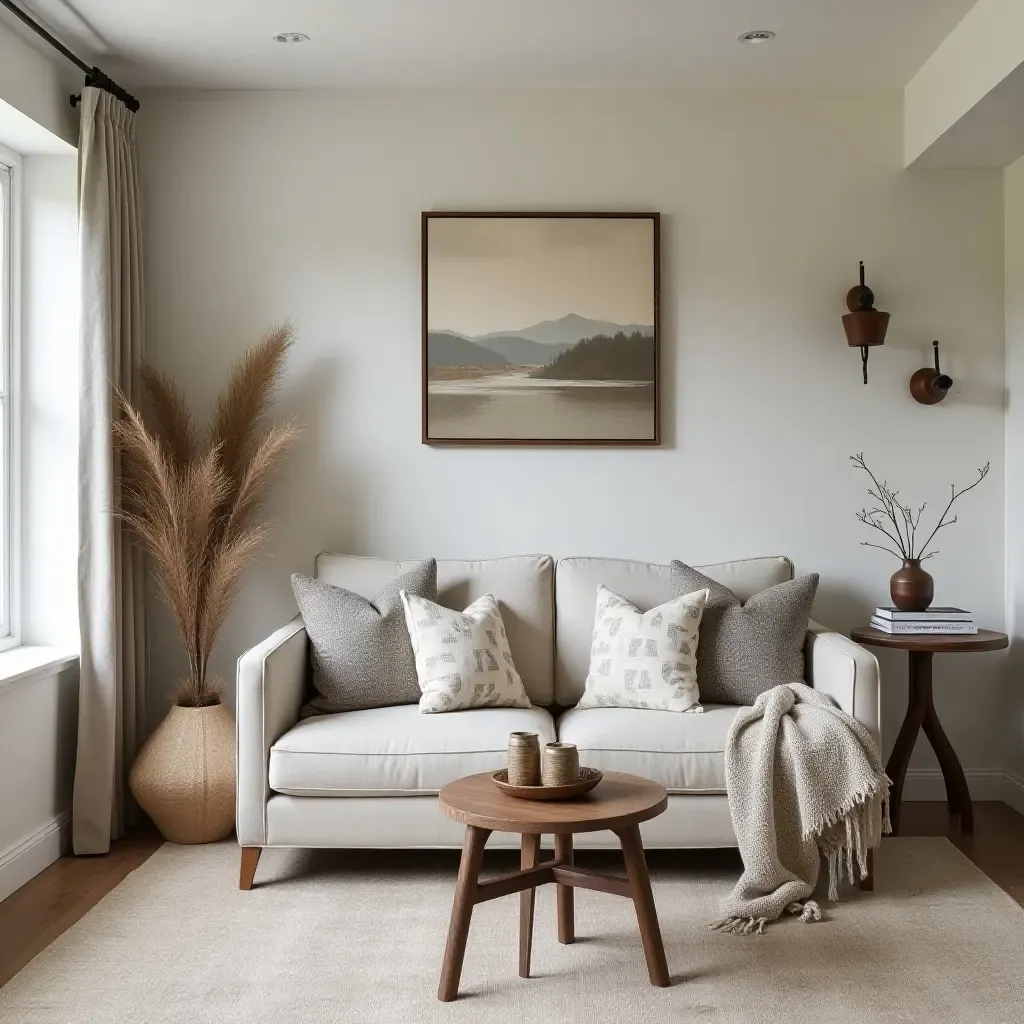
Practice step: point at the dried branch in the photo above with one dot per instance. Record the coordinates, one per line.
(954, 494)
(868, 544)
(886, 498)
(865, 517)
(895, 512)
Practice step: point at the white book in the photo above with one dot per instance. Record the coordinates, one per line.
(933, 614)
(924, 628)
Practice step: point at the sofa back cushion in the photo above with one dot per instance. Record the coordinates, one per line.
(522, 584)
(645, 585)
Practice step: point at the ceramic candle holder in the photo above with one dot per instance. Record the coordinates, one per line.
(560, 765)
(523, 759)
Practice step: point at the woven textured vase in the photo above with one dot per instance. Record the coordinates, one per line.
(560, 765)
(184, 776)
(523, 759)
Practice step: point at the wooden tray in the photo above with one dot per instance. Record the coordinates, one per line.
(589, 778)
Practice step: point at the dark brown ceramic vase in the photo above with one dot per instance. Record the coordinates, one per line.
(910, 587)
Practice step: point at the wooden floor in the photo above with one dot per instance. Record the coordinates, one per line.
(55, 899)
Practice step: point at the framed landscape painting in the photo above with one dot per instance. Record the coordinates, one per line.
(541, 328)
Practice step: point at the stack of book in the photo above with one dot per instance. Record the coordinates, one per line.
(934, 620)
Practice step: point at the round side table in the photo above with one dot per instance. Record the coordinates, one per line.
(620, 803)
(921, 712)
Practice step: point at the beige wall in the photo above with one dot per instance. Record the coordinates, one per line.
(264, 205)
(38, 724)
(1014, 199)
(38, 85)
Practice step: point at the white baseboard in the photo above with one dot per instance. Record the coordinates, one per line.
(26, 859)
(984, 783)
(1014, 791)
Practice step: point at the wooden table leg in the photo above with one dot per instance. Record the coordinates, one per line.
(899, 759)
(643, 901)
(564, 896)
(462, 912)
(528, 859)
(867, 883)
(958, 793)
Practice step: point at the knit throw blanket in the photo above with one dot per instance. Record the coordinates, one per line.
(805, 782)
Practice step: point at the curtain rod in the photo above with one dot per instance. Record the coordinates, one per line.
(93, 75)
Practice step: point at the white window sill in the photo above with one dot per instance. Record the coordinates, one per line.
(23, 664)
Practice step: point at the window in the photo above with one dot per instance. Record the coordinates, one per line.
(8, 278)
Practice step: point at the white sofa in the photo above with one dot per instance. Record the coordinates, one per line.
(370, 778)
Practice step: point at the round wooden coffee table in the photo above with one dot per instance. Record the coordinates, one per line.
(619, 803)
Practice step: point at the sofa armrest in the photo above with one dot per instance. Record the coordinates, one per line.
(270, 687)
(847, 672)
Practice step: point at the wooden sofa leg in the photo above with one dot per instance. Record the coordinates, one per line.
(867, 883)
(250, 858)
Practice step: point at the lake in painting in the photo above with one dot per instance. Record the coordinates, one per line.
(589, 373)
(514, 405)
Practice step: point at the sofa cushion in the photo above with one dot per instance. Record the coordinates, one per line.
(747, 647)
(646, 659)
(643, 584)
(396, 750)
(685, 753)
(522, 584)
(360, 649)
(462, 658)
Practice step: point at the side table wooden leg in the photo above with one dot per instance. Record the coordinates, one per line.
(899, 759)
(462, 912)
(528, 859)
(643, 901)
(958, 793)
(867, 883)
(563, 894)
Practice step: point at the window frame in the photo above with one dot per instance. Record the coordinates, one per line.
(10, 421)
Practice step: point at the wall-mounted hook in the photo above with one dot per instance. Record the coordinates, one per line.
(928, 385)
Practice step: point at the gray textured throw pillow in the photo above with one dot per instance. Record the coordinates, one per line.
(361, 652)
(745, 649)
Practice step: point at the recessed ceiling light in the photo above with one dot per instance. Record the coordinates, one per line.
(761, 35)
(291, 37)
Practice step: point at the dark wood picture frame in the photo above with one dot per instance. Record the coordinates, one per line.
(654, 441)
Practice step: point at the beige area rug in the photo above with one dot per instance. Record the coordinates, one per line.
(335, 937)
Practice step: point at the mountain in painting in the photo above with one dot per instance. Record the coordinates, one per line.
(542, 344)
(447, 349)
(567, 330)
(520, 351)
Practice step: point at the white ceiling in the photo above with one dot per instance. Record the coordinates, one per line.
(520, 43)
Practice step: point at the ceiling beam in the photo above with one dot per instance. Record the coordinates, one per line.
(963, 108)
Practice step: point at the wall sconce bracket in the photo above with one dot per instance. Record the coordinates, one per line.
(930, 386)
(865, 326)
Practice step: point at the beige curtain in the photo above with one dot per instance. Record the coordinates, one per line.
(111, 710)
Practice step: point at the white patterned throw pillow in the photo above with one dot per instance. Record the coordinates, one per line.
(462, 658)
(644, 659)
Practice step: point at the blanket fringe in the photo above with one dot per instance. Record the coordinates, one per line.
(843, 836)
(808, 911)
(740, 925)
